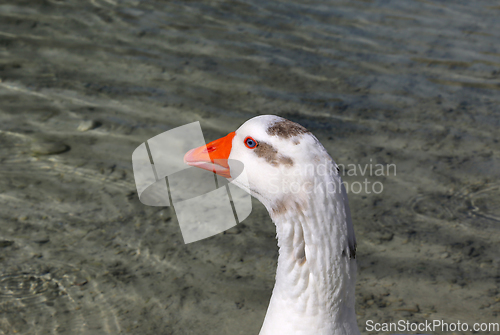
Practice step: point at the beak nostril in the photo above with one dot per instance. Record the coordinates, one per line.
(205, 157)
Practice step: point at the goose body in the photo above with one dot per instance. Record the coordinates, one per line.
(292, 175)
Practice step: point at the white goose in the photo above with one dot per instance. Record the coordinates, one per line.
(291, 173)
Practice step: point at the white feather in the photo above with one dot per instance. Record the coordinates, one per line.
(316, 274)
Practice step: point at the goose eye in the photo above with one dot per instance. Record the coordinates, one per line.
(250, 142)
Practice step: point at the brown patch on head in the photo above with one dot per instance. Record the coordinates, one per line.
(271, 155)
(286, 160)
(286, 129)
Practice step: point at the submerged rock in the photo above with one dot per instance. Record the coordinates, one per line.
(87, 125)
(5, 243)
(49, 148)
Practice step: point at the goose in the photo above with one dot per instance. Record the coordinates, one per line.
(289, 171)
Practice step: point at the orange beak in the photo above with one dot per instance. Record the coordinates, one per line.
(213, 156)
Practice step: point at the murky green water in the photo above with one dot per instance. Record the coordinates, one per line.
(410, 83)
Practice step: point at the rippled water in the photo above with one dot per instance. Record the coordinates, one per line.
(410, 83)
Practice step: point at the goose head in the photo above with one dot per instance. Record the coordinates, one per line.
(282, 161)
(292, 175)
